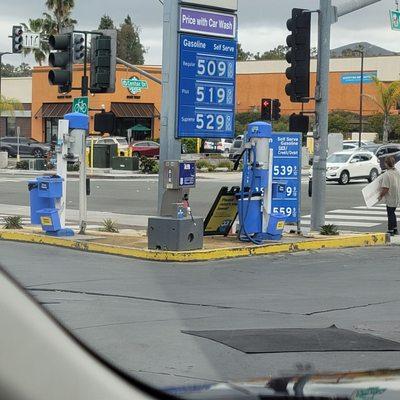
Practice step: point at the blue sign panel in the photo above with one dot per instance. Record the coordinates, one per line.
(187, 174)
(287, 168)
(206, 93)
(354, 78)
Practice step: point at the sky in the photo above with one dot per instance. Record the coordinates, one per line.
(262, 23)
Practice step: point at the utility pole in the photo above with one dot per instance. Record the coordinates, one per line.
(327, 16)
(360, 127)
(170, 147)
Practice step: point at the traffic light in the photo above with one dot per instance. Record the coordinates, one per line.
(299, 56)
(266, 109)
(105, 122)
(276, 110)
(78, 48)
(17, 39)
(62, 58)
(299, 123)
(103, 62)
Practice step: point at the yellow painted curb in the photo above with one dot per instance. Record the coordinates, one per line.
(356, 240)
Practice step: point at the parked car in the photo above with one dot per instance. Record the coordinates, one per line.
(120, 141)
(354, 144)
(346, 165)
(384, 150)
(217, 145)
(146, 148)
(27, 147)
(236, 149)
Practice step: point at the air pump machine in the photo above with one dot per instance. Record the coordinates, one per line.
(257, 221)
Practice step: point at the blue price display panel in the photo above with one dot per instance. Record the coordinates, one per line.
(287, 168)
(206, 93)
(187, 174)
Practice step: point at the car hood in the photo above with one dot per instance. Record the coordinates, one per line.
(374, 385)
(330, 165)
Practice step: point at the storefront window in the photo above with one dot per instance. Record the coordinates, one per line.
(10, 126)
(51, 129)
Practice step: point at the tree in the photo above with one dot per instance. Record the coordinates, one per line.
(106, 22)
(341, 121)
(386, 98)
(52, 22)
(11, 71)
(61, 11)
(37, 26)
(243, 55)
(278, 53)
(129, 47)
(9, 105)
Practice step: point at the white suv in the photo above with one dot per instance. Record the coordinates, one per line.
(345, 165)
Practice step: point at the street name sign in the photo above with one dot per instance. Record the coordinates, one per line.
(81, 105)
(286, 148)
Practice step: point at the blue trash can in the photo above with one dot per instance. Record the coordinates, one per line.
(50, 219)
(37, 202)
(50, 186)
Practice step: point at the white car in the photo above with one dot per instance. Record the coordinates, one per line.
(217, 145)
(346, 165)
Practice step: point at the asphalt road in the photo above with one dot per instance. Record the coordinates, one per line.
(133, 312)
(140, 196)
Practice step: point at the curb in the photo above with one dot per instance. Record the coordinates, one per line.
(360, 240)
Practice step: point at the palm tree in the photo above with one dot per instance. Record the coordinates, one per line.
(387, 97)
(37, 26)
(61, 10)
(9, 105)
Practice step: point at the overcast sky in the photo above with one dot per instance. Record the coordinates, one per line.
(262, 23)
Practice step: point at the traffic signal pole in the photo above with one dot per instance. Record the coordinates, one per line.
(327, 16)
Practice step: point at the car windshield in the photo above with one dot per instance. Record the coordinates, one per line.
(216, 233)
(338, 158)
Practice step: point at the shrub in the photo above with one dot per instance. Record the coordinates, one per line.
(22, 165)
(190, 145)
(329, 230)
(211, 168)
(225, 164)
(13, 222)
(109, 226)
(203, 164)
(149, 165)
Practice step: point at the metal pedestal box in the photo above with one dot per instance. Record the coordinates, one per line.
(175, 234)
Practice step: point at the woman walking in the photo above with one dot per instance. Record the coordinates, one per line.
(390, 192)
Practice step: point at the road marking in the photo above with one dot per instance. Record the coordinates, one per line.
(380, 207)
(346, 223)
(358, 212)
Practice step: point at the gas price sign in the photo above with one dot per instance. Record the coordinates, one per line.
(206, 94)
(287, 168)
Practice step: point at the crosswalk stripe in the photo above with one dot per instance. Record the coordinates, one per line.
(345, 223)
(355, 217)
(378, 207)
(358, 212)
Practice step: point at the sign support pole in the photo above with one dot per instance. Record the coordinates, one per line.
(170, 147)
